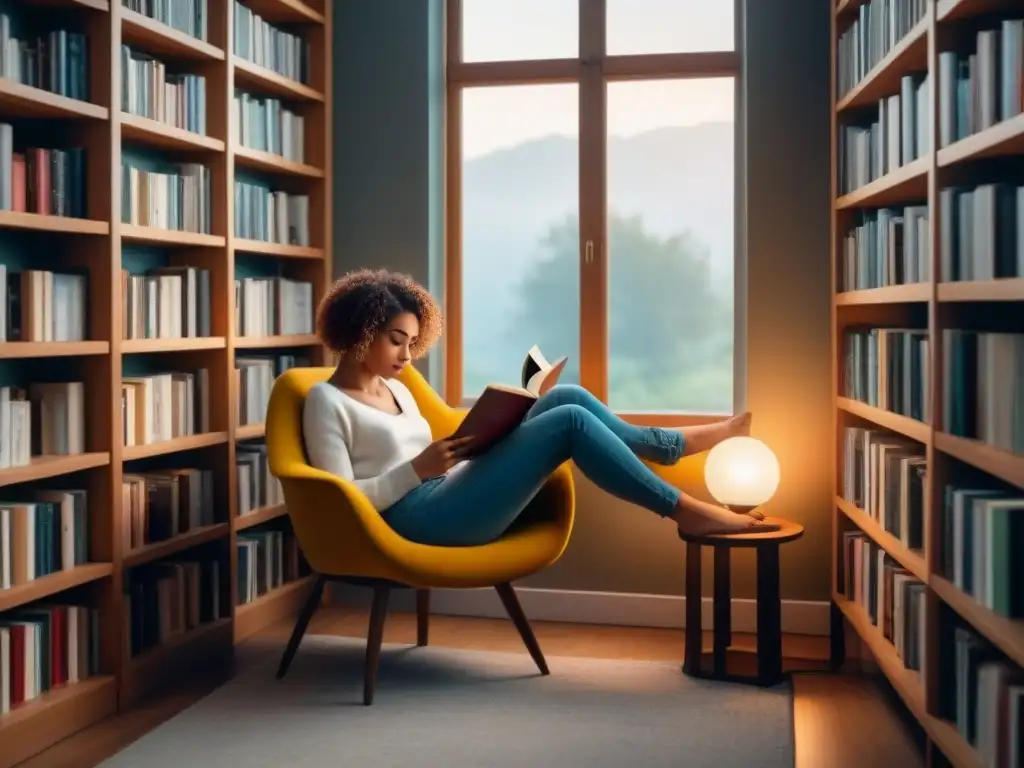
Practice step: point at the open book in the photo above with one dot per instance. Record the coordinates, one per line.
(500, 408)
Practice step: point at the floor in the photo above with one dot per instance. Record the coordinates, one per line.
(831, 711)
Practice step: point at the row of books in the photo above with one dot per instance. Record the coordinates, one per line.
(892, 598)
(257, 488)
(166, 303)
(894, 136)
(149, 90)
(273, 306)
(266, 124)
(47, 419)
(44, 647)
(178, 198)
(982, 529)
(980, 234)
(983, 696)
(983, 386)
(888, 246)
(50, 182)
(981, 87)
(878, 27)
(40, 305)
(267, 559)
(884, 475)
(42, 532)
(254, 378)
(269, 46)
(188, 16)
(160, 505)
(164, 406)
(269, 215)
(56, 61)
(888, 368)
(169, 598)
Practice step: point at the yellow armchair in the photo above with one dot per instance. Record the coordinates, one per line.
(345, 539)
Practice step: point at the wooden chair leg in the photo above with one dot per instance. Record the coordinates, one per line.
(515, 612)
(422, 616)
(374, 639)
(312, 603)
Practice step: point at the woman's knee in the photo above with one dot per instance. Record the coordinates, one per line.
(572, 417)
(569, 394)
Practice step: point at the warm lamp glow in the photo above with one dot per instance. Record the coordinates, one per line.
(741, 473)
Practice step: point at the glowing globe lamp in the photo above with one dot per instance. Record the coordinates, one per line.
(741, 473)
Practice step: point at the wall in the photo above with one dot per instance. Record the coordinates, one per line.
(389, 139)
(387, 172)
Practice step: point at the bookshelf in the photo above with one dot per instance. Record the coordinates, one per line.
(161, 260)
(928, 360)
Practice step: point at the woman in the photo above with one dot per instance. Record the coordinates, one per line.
(363, 425)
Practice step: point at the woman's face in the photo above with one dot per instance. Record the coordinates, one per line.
(391, 350)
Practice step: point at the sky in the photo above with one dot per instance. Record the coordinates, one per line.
(495, 30)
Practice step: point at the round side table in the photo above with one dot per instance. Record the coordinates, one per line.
(769, 605)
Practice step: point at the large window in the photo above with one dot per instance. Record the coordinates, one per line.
(592, 199)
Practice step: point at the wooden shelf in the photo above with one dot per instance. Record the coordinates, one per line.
(907, 682)
(156, 38)
(37, 724)
(952, 10)
(258, 517)
(903, 185)
(177, 445)
(25, 349)
(1004, 289)
(262, 79)
(890, 294)
(249, 431)
(270, 608)
(848, 6)
(909, 55)
(277, 249)
(66, 224)
(1006, 634)
(133, 232)
(271, 163)
(1001, 140)
(54, 583)
(43, 467)
(911, 560)
(138, 346)
(179, 543)
(157, 134)
(912, 428)
(273, 342)
(17, 100)
(203, 647)
(1006, 466)
(285, 11)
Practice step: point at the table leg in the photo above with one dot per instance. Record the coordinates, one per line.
(694, 631)
(769, 616)
(722, 608)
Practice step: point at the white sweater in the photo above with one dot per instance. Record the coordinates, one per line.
(364, 444)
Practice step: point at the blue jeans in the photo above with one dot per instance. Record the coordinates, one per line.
(477, 504)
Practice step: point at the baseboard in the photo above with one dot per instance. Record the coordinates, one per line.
(799, 617)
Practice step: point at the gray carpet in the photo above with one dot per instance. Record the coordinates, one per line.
(453, 708)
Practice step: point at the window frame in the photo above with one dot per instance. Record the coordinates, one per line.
(591, 71)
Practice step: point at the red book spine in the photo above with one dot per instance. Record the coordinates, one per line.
(17, 664)
(18, 182)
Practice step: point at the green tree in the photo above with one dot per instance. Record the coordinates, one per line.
(670, 333)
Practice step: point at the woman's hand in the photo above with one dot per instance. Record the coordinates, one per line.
(440, 456)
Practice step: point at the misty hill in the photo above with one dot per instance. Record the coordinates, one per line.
(675, 178)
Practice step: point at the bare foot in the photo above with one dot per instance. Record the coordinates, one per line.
(698, 518)
(707, 436)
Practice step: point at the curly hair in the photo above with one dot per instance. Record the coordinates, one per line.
(361, 303)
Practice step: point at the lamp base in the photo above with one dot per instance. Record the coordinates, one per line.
(745, 509)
